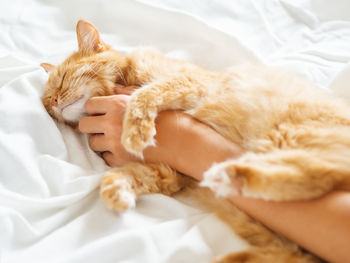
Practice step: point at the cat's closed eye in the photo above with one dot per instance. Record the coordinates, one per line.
(62, 80)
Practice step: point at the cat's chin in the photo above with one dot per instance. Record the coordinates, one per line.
(73, 112)
(73, 116)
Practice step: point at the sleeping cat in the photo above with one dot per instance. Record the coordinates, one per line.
(296, 137)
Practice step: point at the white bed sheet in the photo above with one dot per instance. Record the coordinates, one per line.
(49, 205)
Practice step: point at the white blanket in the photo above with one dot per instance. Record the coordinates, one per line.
(49, 205)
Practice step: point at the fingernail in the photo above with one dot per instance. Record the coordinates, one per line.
(117, 85)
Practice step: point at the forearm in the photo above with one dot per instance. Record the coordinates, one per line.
(321, 225)
(187, 145)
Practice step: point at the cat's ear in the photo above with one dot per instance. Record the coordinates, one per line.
(89, 40)
(48, 67)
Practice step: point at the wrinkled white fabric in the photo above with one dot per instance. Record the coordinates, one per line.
(49, 205)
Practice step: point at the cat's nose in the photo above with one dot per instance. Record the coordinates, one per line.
(54, 101)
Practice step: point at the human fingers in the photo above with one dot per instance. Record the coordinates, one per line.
(104, 104)
(126, 90)
(99, 105)
(99, 143)
(92, 124)
(108, 157)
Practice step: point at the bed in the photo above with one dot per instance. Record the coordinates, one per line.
(50, 210)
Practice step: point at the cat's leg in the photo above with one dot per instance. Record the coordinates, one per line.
(121, 186)
(267, 255)
(279, 175)
(139, 121)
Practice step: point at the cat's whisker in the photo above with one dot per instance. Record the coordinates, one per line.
(121, 74)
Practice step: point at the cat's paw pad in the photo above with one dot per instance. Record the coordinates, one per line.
(223, 180)
(137, 135)
(117, 194)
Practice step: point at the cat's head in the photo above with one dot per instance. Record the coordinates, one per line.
(91, 71)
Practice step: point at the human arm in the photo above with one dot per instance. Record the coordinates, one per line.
(178, 137)
(321, 225)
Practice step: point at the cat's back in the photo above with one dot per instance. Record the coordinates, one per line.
(150, 65)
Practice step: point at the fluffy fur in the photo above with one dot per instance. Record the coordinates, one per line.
(296, 137)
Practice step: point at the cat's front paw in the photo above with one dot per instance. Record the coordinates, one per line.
(138, 132)
(117, 193)
(222, 179)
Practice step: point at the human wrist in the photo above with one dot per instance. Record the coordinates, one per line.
(169, 126)
(187, 145)
(207, 147)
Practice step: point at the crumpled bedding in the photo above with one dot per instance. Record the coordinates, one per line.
(50, 210)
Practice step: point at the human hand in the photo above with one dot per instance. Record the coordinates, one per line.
(179, 137)
(105, 125)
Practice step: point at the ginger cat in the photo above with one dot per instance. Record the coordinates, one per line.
(296, 137)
